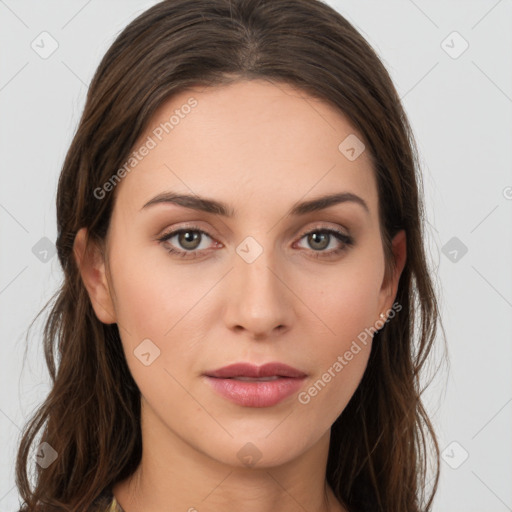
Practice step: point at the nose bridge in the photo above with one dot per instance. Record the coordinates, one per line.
(255, 264)
(259, 301)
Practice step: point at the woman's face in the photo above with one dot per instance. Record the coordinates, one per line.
(263, 285)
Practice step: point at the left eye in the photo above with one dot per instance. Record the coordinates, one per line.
(190, 238)
(187, 238)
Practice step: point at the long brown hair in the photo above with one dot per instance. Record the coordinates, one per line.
(380, 443)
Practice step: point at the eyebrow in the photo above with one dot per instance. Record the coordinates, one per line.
(218, 208)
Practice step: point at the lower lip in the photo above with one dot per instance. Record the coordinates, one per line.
(256, 393)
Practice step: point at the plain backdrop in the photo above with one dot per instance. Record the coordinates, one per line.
(451, 63)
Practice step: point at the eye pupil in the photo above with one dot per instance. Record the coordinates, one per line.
(189, 237)
(319, 235)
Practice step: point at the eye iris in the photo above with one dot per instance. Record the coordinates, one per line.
(189, 237)
(319, 235)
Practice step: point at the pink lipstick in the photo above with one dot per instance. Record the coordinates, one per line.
(256, 386)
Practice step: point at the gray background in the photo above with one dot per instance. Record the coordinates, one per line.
(459, 106)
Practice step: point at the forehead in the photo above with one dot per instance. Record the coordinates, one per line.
(246, 141)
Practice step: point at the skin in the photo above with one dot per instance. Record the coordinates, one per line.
(279, 146)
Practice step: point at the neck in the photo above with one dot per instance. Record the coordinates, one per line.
(173, 475)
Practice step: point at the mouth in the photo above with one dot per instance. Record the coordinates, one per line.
(250, 386)
(255, 379)
(249, 370)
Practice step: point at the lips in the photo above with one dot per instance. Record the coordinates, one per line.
(249, 371)
(248, 385)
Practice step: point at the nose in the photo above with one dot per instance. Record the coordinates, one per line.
(259, 298)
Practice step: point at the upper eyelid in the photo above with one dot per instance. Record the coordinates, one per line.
(167, 235)
(174, 231)
(195, 227)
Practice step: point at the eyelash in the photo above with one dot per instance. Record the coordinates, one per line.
(340, 236)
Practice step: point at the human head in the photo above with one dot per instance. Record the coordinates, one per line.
(326, 60)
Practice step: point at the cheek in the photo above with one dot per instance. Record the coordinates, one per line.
(345, 301)
(152, 294)
(328, 393)
(163, 303)
(340, 355)
(349, 312)
(345, 311)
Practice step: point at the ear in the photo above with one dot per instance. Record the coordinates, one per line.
(390, 285)
(90, 261)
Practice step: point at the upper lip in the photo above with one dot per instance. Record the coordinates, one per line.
(251, 370)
